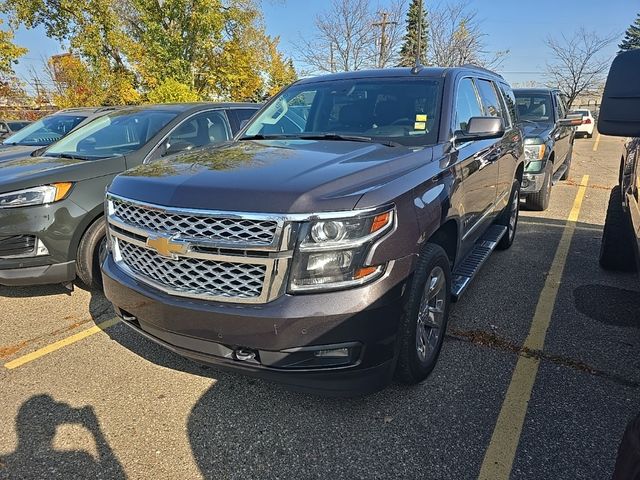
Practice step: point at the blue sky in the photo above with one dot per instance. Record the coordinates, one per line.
(520, 27)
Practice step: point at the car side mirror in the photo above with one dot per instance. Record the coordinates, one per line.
(620, 109)
(481, 128)
(570, 121)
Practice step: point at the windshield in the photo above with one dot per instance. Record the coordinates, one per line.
(15, 126)
(116, 134)
(45, 131)
(399, 110)
(535, 107)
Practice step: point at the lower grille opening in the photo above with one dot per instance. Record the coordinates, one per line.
(17, 245)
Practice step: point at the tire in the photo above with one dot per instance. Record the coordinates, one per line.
(540, 200)
(413, 365)
(567, 162)
(509, 217)
(88, 257)
(618, 243)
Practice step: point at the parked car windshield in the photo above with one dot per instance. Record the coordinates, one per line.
(535, 107)
(111, 135)
(15, 126)
(400, 110)
(45, 131)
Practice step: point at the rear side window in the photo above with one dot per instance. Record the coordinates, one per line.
(490, 100)
(467, 104)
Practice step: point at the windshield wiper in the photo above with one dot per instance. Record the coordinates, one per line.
(261, 136)
(349, 138)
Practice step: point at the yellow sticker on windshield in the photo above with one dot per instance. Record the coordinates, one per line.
(420, 126)
(421, 117)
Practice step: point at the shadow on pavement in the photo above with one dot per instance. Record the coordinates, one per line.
(33, 291)
(610, 305)
(35, 457)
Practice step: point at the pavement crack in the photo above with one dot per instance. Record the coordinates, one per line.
(495, 342)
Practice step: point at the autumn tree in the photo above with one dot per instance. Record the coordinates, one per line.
(281, 71)
(631, 39)
(410, 43)
(577, 64)
(9, 52)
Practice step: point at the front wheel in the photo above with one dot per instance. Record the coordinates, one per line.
(540, 200)
(88, 258)
(424, 322)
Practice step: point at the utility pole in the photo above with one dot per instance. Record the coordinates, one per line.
(383, 36)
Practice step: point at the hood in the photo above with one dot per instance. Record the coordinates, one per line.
(276, 176)
(9, 152)
(28, 171)
(537, 130)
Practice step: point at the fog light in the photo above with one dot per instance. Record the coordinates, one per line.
(335, 353)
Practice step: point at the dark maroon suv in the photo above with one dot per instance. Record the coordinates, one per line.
(323, 246)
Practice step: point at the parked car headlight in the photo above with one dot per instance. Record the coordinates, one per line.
(534, 152)
(35, 195)
(332, 253)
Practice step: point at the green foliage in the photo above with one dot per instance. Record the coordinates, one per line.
(281, 71)
(212, 49)
(9, 52)
(410, 44)
(172, 91)
(631, 39)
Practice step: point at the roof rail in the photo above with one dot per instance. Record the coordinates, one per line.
(478, 67)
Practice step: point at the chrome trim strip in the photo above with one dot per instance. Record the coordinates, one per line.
(284, 217)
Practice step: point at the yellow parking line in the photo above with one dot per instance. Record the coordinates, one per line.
(498, 459)
(30, 357)
(596, 143)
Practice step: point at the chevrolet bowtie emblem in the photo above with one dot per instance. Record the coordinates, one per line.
(166, 247)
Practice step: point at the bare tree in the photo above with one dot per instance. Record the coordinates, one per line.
(349, 37)
(456, 38)
(577, 64)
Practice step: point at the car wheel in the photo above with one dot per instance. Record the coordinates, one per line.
(424, 322)
(567, 162)
(617, 247)
(509, 217)
(589, 135)
(89, 252)
(540, 200)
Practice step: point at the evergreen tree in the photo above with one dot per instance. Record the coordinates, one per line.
(631, 39)
(410, 44)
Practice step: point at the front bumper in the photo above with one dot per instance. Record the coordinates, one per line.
(282, 336)
(532, 182)
(54, 225)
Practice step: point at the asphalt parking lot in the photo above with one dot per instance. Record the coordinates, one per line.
(538, 377)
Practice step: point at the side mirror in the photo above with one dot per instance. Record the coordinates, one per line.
(481, 128)
(571, 120)
(620, 109)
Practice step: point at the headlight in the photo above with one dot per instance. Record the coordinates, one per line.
(534, 152)
(35, 196)
(332, 253)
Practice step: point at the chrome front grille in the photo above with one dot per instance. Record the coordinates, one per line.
(221, 256)
(240, 231)
(195, 276)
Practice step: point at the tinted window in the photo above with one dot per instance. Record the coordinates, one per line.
(490, 100)
(404, 110)
(244, 114)
(510, 99)
(205, 128)
(46, 130)
(15, 126)
(467, 104)
(534, 106)
(115, 134)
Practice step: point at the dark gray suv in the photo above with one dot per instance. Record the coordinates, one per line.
(323, 246)
(51, 205)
